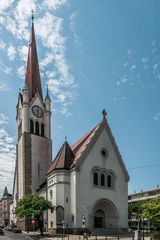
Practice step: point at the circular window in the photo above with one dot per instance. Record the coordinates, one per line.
(104, 152)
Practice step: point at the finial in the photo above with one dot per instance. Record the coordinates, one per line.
(19, 90)
(65, 138)
(104, 114)
(32, 15)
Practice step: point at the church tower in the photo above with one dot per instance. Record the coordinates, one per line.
(34, 144)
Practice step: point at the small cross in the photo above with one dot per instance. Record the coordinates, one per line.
(104, 114)
(65, 138)
(32, 15)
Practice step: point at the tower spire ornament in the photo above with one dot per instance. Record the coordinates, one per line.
(104, 113)
(32, 15)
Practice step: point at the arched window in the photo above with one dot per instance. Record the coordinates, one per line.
(102, 180)
(109, 181)
(51, 194)
(31, 126)
(59, 215)
(42, 130)
(95, 178)
(37, 128)
(51, 223)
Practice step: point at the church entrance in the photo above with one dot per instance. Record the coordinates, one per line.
(99, 219)
(104, 215)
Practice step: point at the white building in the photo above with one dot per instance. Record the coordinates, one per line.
(87, 182)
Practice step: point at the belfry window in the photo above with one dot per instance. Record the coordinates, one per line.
(95, 178)
(31, 126)
(37, 128)
(42, 130)
(109, 181)
(102, 180)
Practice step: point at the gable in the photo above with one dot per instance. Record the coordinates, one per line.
(102, 139)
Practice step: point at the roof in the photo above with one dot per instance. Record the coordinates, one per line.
(64, 158)
(69, 157)
(79, 147)
(32, 80)
(5, 193)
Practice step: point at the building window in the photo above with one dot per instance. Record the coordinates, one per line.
(109, 181)
(104, 152)
(102, 180)
(51, 194)
(42, 130)
(31, 126)
(59, 215)
(37, 128)
(51, 224)
(95, 178)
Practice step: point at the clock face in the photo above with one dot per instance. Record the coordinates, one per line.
(37, 111)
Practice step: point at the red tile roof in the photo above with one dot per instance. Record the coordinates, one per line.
(67, 155)
(64, 158)
(79, 147)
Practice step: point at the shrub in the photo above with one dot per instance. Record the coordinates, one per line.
(156, 235)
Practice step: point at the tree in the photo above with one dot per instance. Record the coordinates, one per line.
(151, 211)
(33, 205)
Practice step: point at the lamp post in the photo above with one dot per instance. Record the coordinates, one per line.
(83, 223)
(63, 225)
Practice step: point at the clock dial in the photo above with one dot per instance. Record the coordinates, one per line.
(37, 111)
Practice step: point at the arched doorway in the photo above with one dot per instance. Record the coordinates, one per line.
(104, 215)
(99, 219)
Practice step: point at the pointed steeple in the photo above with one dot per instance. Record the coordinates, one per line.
(32, 72)
(5, 194)
(47, 95)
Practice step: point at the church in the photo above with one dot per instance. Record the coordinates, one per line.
(87, 182)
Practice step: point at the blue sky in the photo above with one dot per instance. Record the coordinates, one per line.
(93, 54)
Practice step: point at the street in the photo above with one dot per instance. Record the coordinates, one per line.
(8, 235)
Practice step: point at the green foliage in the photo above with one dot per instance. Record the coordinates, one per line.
(135, 207)
(156, 235)
(32, 205)
(151, 210)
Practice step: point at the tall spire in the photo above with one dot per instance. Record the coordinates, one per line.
(32, 72)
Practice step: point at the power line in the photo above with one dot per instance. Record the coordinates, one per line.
(145, 166)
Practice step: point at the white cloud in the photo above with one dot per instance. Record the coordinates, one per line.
(4, 68)
(133, 67)
(54, 4)
(5, 4)
(23, 53)
(3, 119)
(21, 72)
(2, 44)
(144, 60)
(3, 87)
(11, 52)
(157, 116)
(47, 60)
(7, 154)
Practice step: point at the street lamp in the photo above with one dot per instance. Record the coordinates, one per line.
(83, 221)
(63, 225)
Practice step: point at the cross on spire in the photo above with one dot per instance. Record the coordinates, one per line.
(104, 114)
(32, 15)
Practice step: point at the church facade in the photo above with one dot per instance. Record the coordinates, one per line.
(86, 182)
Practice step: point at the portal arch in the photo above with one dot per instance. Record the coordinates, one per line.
(104, 215)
